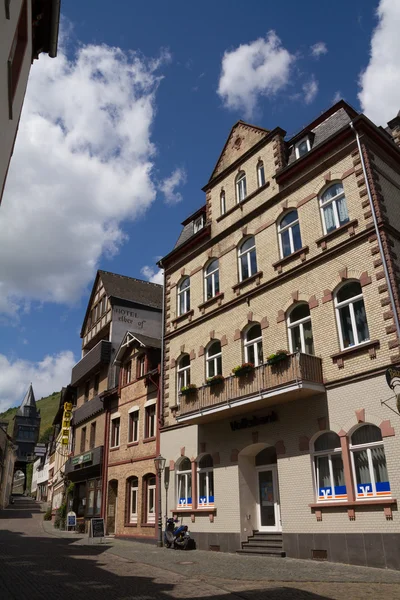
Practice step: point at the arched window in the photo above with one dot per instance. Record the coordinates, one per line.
(206, 481)
(222, 203)
(133, 494)
(183, 374)
(241, 189)
(184, 483)
(184, 296)
(253, 350)
(350, 315)
(214, 359)
(300, 330)
(149, 486)
(369, 463)
(260, 173)
(333, 207)
(211, 280)
(247, 259)
(329, 472)
(289, 233)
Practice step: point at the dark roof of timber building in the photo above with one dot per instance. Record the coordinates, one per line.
(134, 290)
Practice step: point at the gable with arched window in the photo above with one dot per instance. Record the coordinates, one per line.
(241, 187)
(252, 342)
(369, 463)
(328, 464)
(350, 315)
(300, 329)
(289, 233)
(211, 279)
(333, 207)
(205, 472)
(184, 296)
(247, 258)
(184, 483)
(213, 359)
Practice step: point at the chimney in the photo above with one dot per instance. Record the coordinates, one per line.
(394, 126)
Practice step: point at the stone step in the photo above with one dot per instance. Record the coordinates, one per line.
(275, 537)
(263, 552)
(262, 544)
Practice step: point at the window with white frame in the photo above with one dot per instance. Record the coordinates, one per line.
(141, 365)
(241, 188)
(260, 174)
(150, 499)
(253, 350)
(206, 481)
(183, 373)
(222, 202)
(184, 483)
(333, 208)
(369, 463)
(211, 279)
(115, 429)
(289, 233)
(133, 428)
(128, 371)
(247, 259)
(300, 329)
(198, 223)
(150, 421)
(214, 359)
(329, 471)
(350, 315)
(133, 499)
(302, 147)
(184, 296)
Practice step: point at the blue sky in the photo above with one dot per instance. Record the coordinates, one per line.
(90, 199)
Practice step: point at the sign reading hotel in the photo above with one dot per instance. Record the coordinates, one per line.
(66, 423)
(129, 317)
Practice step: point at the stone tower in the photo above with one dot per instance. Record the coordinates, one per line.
(26, 431)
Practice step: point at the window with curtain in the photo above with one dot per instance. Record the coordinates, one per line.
(183, 374)
(184, 483)
(211, 280)
(369, 463)
(329, 472)
(350, 315)
(241, 187)
(289, 234)
(247, 259)
(206, 481)
(333, 207)
(260, 174)
(214, 359)
(222, 202)
(253, 350)
(133, 499)
(300, 330)
(184, 296)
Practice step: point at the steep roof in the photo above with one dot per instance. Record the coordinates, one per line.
(134, 290)
(28, 401)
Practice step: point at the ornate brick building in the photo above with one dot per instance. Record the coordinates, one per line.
(281, 317)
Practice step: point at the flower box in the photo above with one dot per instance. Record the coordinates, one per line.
(217, 379)
(243, 369)
(189, 389)
(277, 357)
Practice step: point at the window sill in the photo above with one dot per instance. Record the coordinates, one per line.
(210, 509)
(238, 205)
(148, 525)
(187, 315)
(215, 299)
(150, 439)
(336, 232)
(130, 524)
(256, 277)
(130, 444)
(371, 346)
(114, 448)
(287, 259)
(174, 407)
(354, 503)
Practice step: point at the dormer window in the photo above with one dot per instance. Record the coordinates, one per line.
(198, 224)
(302, 147)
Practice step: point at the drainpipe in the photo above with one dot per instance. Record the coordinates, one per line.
(371, 203)
(161, 386)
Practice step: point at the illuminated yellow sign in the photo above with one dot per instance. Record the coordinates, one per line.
(66, 423)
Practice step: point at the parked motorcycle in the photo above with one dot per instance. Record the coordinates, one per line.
(176, 537)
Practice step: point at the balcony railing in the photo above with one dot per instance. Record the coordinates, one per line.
(100, 354)
(301, 373)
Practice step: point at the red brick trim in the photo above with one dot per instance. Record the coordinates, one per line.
(224, 341)
(313, 302)
(305, 200)
(372, 344)
(322, 423)
(217, 299)
(302, 253)
(327, 297)
(264, 323)
(304, 443)
(280, 317)
(234, 455)
(188, 315)
(386, 429)
(256, 277)
(237, 335)
(280, 448)
(360, 415)
(336, 232)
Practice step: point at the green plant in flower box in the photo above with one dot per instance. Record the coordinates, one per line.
(277, 356)
(243, 369)
(189, 389)
(217, 379)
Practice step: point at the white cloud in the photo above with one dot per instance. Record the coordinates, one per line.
(155, 276)
(338, 96)
(251, 71)
(168, 186)
(380, 82)
(82, 165)
(318, 49)
(310, 90)
(47, 376)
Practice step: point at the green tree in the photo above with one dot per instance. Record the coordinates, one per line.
(45, 437)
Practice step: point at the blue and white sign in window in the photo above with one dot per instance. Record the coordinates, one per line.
(369, 463)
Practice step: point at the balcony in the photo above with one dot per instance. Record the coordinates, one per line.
(100, 354)
(298, 376)
(85, 465)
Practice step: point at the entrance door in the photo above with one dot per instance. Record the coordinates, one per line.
(269, 518)
(112, 506)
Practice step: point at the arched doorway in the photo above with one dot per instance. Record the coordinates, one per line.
(19, 482)
(112, 506)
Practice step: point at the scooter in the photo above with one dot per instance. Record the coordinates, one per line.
(176, 537)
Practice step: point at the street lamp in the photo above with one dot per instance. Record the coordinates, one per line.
(159, 463)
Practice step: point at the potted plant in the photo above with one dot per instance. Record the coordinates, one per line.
(215, 380)
(243, 369)
(277, 356)
(188, 389)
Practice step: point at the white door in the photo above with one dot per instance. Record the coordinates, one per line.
(269, 514)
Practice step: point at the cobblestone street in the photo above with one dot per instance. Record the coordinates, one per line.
(38, 562)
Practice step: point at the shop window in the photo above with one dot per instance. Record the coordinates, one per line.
(300, 330)
(83, 440)
(183, 374)
(211, 280)
(150, 424)
(369, 463)
(184, 483)
(206, 481)
(241, 187)
(115, 430)
(93, 502)
(133, 433)
(184, 296)
(247, 258)
(214, 359)
(329, 472)
(16, 56)
(260, 173)
(289, 233)
(333, 207)
(253, 350)
(92, 442)
(149, 487)
(133, 491)
(350, 315)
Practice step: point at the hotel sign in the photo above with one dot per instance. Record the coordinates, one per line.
(254, 421)
(83, 458)
(66, 423)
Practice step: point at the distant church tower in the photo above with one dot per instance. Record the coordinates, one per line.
(26, 430)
